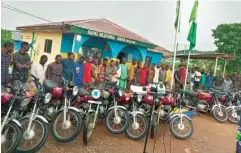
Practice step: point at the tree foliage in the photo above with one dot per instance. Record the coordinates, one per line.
(228, 40)
(6, 35)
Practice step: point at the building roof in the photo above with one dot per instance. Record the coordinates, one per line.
(99, 25)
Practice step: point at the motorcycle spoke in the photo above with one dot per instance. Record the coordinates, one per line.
(9, 133)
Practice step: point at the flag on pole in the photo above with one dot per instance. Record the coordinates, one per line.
(193, 29)
(177, 16)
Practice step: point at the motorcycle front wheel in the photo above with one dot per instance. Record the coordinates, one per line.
(137, 131)
(10, 138)
(181, 131)
(154, 124)
(89, 126)
(220, 115)
(232, 115)
(67, 131)
(117, 124)
(34, 139)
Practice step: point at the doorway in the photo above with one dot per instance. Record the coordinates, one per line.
(121, 55)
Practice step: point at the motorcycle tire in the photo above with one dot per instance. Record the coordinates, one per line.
(154, 124)
(215, 116)
(112, 113)
(231, 118)
(44, 137)
(178, 136)
(87, 134)
(76, 132)
(17, 139)
(141, 136)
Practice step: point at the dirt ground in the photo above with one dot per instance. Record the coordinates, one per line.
(208, 137)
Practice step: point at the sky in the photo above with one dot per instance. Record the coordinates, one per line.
(153, 20)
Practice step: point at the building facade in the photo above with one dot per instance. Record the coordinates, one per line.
(97, 37)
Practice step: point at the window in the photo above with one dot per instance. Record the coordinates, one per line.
(89, 51)
(148, 59)
(48, 46)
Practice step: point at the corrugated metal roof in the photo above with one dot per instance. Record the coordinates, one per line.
(99, 25)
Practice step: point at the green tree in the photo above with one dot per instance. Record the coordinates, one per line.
(6, 35)
(228, 40)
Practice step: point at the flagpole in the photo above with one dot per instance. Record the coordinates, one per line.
(175, 47)
(188, 61)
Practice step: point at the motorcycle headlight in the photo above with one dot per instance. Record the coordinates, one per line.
(25, 102)
(139, 98)
(75, 91)
(96, 94)
(47, 98)
(119, 92)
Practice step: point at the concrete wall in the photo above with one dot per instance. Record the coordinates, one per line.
(64, 43)
(38, 46)
(156, 57)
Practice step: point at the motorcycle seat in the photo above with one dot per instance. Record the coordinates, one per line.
(217, 91)
(49, 84)
(189, 93)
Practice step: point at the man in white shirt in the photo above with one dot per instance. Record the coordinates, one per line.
(38, 69)
(157, 71)
(197, 78)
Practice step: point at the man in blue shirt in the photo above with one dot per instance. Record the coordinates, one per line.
(68, 65)
(79, 71)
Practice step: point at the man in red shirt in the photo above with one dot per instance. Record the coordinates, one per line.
(87, 71)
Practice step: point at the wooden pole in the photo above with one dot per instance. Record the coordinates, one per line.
(215, 68)
(224, 69)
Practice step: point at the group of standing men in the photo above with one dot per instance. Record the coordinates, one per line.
(84, 71)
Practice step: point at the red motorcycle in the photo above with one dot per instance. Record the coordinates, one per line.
(207, 102)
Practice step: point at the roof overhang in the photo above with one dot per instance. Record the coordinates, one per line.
(76, 29)
(208, 56)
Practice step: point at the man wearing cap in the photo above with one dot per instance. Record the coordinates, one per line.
(79, 71)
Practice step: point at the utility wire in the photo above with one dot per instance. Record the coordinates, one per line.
(21, 11)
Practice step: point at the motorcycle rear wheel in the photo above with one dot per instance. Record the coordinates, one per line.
(15, 134)
(89, 126)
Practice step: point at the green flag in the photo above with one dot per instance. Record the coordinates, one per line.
(177, 15)
(193, 29)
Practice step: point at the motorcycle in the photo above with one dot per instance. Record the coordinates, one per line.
(11, 129)
(232, 102)
(205, 102)
(138, 123)
(148, 102)
(67, 122)
(177, 121)
(117, 117)
(35, 126)
(99, 107)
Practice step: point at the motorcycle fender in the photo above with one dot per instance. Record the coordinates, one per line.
(229, 107)
(71, 108)
(16, 122)
(138, 112)
(179, 116)
(117, 107)
(37, 116)
(214, 107)
(42, 118)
